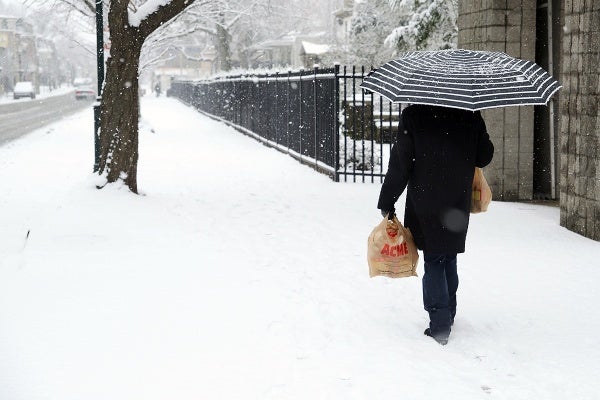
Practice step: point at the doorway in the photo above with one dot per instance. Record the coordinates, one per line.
(545, 151)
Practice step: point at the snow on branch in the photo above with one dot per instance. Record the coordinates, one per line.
(137, 15)
(432, 26)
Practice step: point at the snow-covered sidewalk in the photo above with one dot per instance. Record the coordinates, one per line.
(241, 274)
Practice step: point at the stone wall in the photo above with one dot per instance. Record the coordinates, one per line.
(507, 26)
(580, 118)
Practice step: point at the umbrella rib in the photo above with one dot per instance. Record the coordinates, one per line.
(529, 88)
(487, 87)
(476, 98)
(466, 85)
(505, 101)
(403, 74)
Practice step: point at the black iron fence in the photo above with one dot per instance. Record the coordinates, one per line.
(320, 117)
(368, 127)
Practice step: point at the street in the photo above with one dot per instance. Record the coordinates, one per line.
(21, 117)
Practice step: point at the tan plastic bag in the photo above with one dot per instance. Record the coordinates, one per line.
(482, 194)
(391, 250)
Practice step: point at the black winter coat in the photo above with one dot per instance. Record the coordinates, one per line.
(436, 152)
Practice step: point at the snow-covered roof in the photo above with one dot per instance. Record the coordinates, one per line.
(289, 40)
(315, 48)
(282, 41)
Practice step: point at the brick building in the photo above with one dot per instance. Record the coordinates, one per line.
(545, 152)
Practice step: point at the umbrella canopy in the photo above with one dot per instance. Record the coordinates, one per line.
(466, 79)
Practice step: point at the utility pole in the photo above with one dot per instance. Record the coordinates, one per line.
(100, 70)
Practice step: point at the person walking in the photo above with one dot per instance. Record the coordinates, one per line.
(435, 155)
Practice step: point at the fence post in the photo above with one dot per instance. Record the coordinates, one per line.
(315, 130)
(236, 103)
(354, 123)
(362, 123)
(287, 114)
(345, 125)
(336, 123)
(277, 107)
(252, 107)
(372, 119)
(301, 109)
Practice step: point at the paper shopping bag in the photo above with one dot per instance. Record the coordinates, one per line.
(482, 194)
(391, 250)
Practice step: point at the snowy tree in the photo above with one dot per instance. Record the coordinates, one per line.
(432, 25)
(381, 29)
(130, 22)
(253, 22)
(120, 101)
(140, 33)
(11, 8)
(218, 19)
(235, 26)
(371, 23)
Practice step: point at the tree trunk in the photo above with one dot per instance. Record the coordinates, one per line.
(120, 116)
(223, 47)
(120, 106)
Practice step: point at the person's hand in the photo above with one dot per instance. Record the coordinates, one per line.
(388, 214)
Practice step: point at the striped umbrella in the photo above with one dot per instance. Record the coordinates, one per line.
(466, 79)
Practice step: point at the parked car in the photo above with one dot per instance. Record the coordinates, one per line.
(77, 82)
(24, 89)
(85, 93)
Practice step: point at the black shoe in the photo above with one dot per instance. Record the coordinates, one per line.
(442, 341)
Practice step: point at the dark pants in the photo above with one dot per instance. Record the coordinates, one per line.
(440, 282)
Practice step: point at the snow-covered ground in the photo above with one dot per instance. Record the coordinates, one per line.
(241, 274)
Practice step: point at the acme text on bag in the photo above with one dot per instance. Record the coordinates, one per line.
(396, 250)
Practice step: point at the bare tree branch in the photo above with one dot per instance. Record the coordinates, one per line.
(155, 60)
(84, 7)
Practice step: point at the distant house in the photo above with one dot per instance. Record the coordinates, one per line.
(292, 50)
(27, 56)
(311, 53)
(187, 62)
(18, 53)
(8, 52)
(273, 52)
(48, 71)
